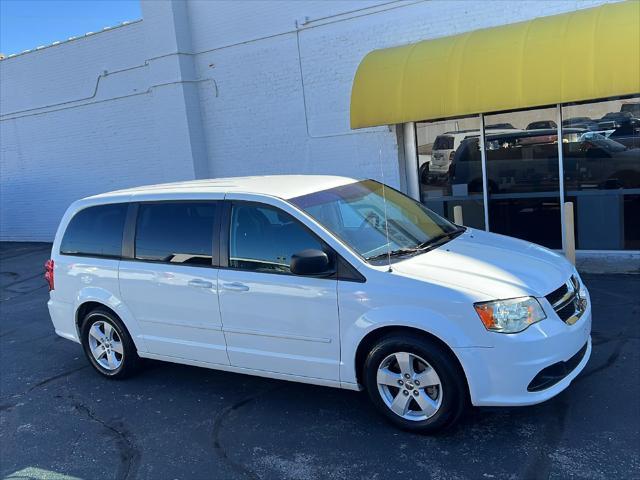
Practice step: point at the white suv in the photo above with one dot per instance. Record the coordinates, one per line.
(323, 280)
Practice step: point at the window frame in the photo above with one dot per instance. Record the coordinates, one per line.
(95, 255)
(342, 271)
(131, 224)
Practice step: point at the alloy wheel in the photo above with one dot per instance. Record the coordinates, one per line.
(106, 345)
(409, 386)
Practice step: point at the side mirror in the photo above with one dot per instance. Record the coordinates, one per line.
(310, 262)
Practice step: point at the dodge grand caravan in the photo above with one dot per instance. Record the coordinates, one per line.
(319, 279)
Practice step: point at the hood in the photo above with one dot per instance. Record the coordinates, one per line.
(494, 265)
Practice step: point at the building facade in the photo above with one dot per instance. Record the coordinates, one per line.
(201, 89)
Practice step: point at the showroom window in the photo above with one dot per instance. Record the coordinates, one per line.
(523, 175)
(438, 163)
(602, 172)
(525, 178)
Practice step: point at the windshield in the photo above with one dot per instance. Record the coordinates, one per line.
(356, 214)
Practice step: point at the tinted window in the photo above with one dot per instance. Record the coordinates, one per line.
(264, 238)
(180, 232)
(95, 231)
(443, 143)
(632, 108)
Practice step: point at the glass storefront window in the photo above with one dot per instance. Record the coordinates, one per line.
(523, 175)
(601, 172)
(601, 155)
(438, 145)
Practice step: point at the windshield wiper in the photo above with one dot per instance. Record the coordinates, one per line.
(394, 253)
(438, 238)
(421, 248)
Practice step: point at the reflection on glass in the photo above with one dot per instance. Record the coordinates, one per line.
(264, 238)
(522, 175)
(96, 231)
(601, 157)
(602, 172)
(175, 232)
(438, 146)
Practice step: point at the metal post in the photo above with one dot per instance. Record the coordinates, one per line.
(561, 178)
(411, 160)
(485, 182)
(457, 215)
(568, 231)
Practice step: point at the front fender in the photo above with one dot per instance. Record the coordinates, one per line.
(108, 299)
(450, 331)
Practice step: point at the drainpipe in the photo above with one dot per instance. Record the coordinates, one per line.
(411, 160)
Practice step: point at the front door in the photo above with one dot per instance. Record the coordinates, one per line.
(171, 284)
(273, 320)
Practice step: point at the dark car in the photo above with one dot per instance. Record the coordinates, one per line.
(631, 107)
(613, 120)
(499, 126)
(622, 127)
(581, 122)
(542, 125)
(526, 161)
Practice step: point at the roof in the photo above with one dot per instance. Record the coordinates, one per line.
(587, 54)
(282, 186)
(71, 39)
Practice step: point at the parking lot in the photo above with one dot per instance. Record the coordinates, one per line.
(60, 420)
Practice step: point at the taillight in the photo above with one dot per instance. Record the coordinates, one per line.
(48, 273)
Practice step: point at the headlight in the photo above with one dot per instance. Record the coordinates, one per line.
(510, 316)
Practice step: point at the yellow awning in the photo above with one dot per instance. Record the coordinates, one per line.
(583, 55)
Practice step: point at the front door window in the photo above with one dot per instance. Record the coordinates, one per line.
(264, 238)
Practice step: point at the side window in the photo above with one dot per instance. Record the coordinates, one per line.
(175, 232)
(95, 231)
(264, 238)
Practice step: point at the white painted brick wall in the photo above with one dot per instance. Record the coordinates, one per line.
(230, 103)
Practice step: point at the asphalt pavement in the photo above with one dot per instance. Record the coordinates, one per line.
(60, 420)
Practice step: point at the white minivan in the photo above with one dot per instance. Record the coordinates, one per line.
(319, 279)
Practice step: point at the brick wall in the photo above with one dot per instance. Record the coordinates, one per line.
(208, 89)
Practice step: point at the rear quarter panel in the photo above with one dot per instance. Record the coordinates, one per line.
(80, 279)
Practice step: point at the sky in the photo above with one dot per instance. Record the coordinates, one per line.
(26, 24)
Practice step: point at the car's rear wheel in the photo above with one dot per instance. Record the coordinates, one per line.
(415, 383)
(108, 345)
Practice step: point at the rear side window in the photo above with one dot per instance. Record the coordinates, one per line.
(443, 142)
(95, 231)
(175, 232)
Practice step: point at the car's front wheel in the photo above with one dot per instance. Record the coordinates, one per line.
(415, 383)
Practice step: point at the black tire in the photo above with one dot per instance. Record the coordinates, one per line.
(454, 391)
(129, 360)
(424, 174)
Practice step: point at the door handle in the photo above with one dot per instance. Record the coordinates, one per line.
(235, 287)
(200, 283)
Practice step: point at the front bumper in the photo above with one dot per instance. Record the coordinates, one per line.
(437, 176)
(501, 375)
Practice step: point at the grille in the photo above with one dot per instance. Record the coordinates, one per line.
(566, 301)
(557, 294)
